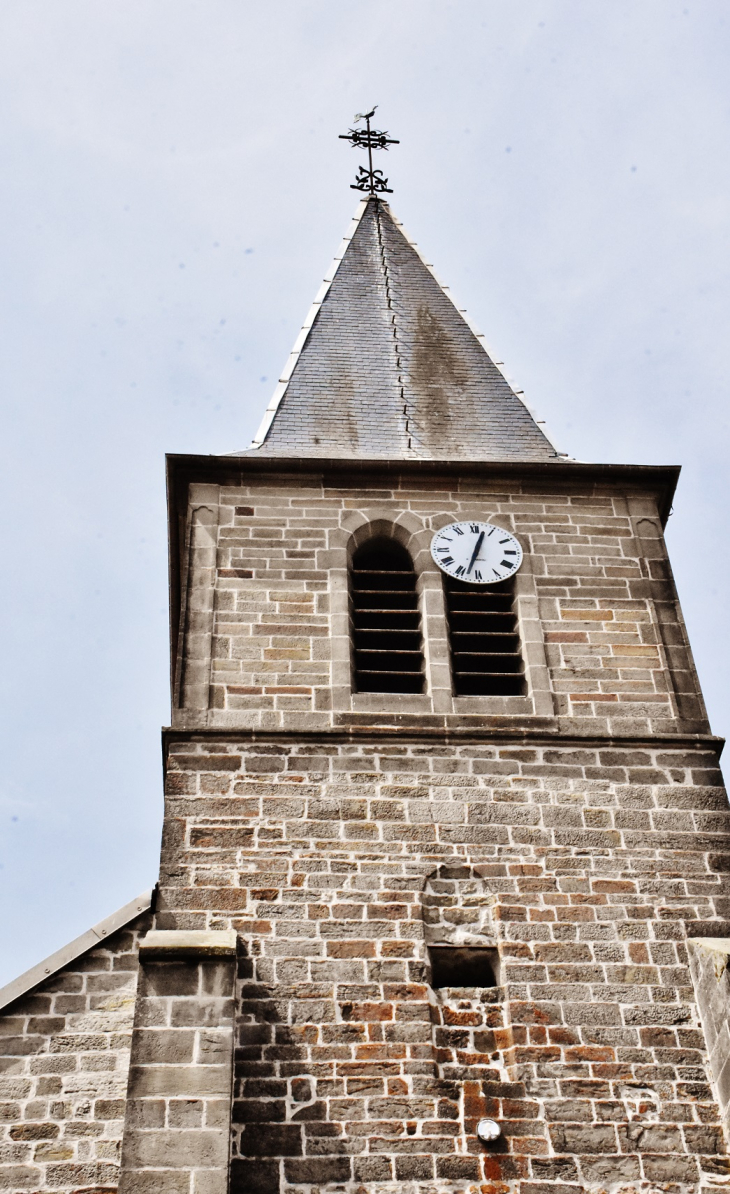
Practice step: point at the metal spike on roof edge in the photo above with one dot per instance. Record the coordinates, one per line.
(301, 340)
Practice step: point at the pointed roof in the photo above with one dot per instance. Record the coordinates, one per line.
(387, 366)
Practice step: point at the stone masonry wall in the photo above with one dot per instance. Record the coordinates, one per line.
(588, 865)
(266, 621)
(64, 1056)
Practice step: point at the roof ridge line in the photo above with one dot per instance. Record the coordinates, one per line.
(408, 418)
(301, 340)
(480, 336)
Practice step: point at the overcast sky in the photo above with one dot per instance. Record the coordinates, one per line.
(173, 191)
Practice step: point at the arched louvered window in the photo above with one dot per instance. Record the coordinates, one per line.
(385, 619)
(486, 659)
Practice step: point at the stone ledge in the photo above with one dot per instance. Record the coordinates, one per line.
(189, 943)
(540, 732)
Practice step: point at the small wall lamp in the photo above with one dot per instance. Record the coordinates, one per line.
(488, 1130)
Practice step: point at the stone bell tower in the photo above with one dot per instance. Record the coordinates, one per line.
(443, 902)
(459, 835)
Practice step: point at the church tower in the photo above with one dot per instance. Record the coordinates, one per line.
(443, 905)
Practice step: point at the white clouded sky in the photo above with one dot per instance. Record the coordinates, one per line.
(173, 192)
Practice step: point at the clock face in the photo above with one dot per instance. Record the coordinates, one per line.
(477, 552)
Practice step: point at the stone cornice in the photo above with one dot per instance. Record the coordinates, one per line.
(453, 737)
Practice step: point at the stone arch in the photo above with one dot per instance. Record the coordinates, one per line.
(648, 528)
(458, 905)
(470, 1030)
(404, 526)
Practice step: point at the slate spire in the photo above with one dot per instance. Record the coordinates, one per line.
(387, 366)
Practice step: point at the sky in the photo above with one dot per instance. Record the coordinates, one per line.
(174, 191)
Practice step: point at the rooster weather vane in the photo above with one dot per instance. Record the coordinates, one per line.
(368, 138)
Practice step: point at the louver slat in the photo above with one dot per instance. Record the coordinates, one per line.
(385, 620)
(486, 659)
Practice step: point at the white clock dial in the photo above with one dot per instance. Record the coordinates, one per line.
(477, 552)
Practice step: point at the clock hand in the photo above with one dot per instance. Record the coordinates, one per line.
(475, 553)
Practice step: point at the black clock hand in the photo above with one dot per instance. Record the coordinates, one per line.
(475, 553)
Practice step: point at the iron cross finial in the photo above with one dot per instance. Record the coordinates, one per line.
(368, 138)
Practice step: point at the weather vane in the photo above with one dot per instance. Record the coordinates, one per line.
(370, 139)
